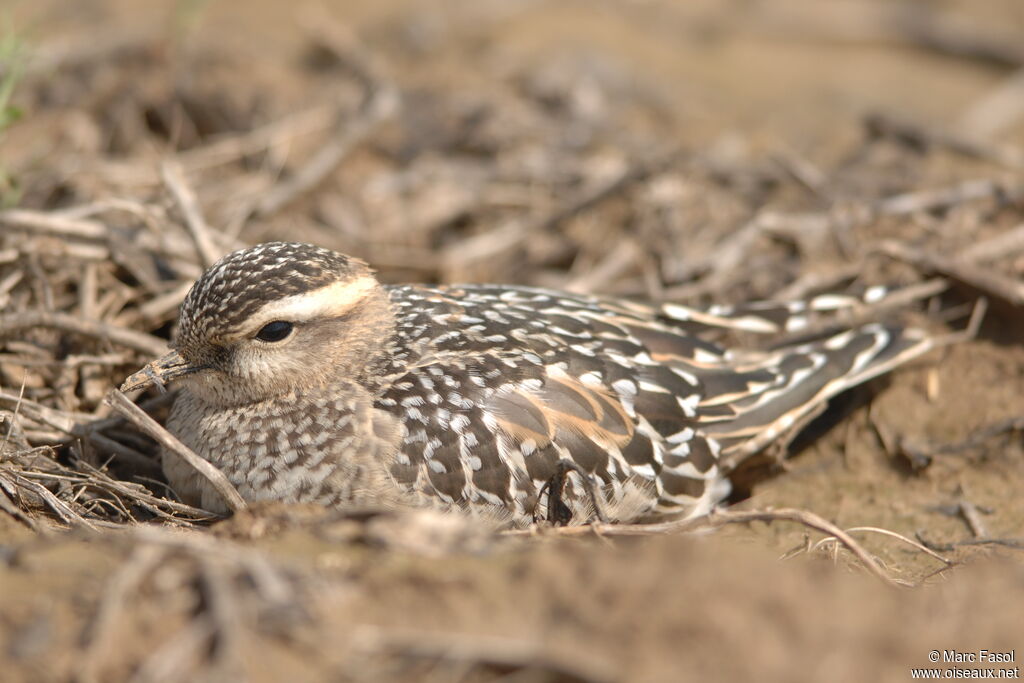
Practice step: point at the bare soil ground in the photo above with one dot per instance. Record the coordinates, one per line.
(709, 151)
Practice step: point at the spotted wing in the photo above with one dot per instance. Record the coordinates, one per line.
(509, 381)
(490, 431)
(750, 398)
(504, 382)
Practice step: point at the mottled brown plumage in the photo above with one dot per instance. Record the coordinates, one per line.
(305, 380)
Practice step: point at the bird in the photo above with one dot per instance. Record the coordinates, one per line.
(306, 380)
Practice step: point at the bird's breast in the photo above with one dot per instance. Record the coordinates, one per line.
(320, 447)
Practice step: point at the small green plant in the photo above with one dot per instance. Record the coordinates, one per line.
(188, 14)
(12, 65)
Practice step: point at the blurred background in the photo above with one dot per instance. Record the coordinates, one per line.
(699, 151)
(670, 124)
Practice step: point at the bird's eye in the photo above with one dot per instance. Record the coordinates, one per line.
(275, 331)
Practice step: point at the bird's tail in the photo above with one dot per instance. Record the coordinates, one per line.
(809, 317)
(820, 348)
(753, 398)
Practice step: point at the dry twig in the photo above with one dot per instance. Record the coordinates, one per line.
(478, 649)
(174, 177)
(984, 280)
(892, 534)
(205, 468)
(96, 638)
(720, 518)
(380, 102)
(11, 323)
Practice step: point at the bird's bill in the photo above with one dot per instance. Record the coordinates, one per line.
(160, 372)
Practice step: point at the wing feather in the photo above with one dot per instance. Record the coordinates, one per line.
(637, 395)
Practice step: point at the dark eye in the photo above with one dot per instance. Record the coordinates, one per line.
(275, 331)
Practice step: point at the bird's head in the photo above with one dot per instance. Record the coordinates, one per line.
(271, 319)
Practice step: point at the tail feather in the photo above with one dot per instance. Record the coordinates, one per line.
(816, 350)
(805, 377)
(786, 317)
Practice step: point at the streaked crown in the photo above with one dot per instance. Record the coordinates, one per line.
(245, 282)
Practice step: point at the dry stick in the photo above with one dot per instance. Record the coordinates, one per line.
(969, 511)
(492, 244)
(378, 107)
(478, 648)
(942, 198)
(66, 225)
(996, 110)
(977, 438)
(892, 534)
(174, 178)
(226, 149)
(14, 413)
(75, 425)
(917, 135)
(13, 510)
(42, 436)
(39, 221)
(953, 38)
(105, 422)
(1015, 543)
(897, 25)
(514, 233)
(268, 580)
(970, 332)
(90, 503)
(97, 634)
(808, 283)
(803, 171)
(981, 279)
(7, 284)
(723, 262)
(810, 225)
(60, 420)
(75, 361)
(58, 506)
(151, 215)
(206, 469)
(222, 605)
(720, 518)
(808, 519)
(88, 292)
(139, 495)
(164, 508)
(609, 267)
(138, 341)
(160, 306)
(380, 101)
(1004, 244)
(169, 661)
(122, 453)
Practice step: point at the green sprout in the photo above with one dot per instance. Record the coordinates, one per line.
(12, 65)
